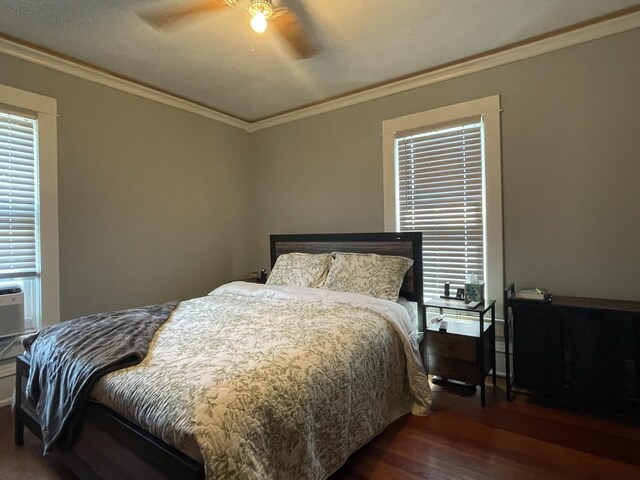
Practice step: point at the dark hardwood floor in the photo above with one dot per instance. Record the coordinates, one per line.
(460, 440)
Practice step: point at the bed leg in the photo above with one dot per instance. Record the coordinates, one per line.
(19, 431)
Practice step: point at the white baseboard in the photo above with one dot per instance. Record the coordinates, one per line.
(5, 402)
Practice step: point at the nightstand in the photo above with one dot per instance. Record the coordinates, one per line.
(466, 352)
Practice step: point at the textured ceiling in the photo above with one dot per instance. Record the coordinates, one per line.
(218, 61)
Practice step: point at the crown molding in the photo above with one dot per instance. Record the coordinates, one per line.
(95, 75)
(528, 49)
(515, 54)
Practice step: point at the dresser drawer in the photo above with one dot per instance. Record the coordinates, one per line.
(455, 347)
(453, 356)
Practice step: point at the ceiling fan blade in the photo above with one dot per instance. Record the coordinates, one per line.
(290, 28)
(167, 18)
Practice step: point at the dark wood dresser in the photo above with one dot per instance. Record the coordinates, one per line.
(582, 352)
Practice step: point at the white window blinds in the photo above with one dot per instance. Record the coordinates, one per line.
(18, 195)
(440, 194)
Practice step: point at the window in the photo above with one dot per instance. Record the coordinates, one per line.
(29, 207)
(440, 195)
(19, 265)
(443, 178)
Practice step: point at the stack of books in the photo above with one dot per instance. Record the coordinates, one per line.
(534, 294)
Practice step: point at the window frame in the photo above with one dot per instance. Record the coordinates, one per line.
(45, 111)
(488, 110)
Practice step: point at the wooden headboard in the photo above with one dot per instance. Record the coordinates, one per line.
(403, 244)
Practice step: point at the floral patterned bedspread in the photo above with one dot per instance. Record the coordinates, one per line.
(263, 382)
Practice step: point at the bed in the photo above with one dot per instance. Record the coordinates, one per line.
(356, 377)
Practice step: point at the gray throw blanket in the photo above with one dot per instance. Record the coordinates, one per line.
(66, 360)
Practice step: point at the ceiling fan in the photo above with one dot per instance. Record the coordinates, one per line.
(262, 12)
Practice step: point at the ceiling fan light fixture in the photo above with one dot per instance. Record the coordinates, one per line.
(259, 23)
(260, 11)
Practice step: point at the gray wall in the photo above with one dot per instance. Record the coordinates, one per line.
(571, 167)
(157, 203)
(153, 200)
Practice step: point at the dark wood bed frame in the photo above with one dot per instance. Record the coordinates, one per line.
(111, 447)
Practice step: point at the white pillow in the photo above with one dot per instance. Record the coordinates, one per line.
(300, 270)
(368, 273)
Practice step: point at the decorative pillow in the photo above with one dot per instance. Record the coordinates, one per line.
(376, 275)
(300, 270)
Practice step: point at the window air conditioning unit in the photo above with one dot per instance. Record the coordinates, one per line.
(11, 312)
